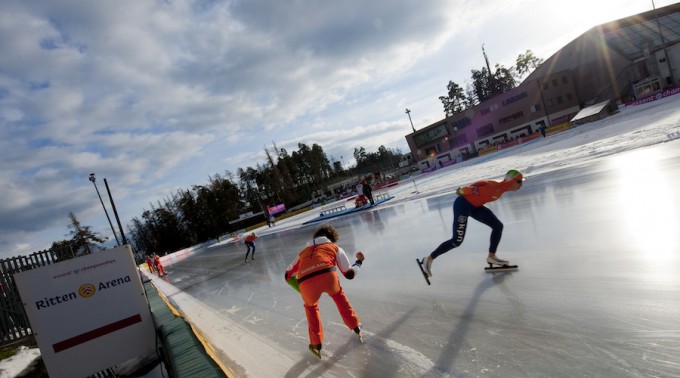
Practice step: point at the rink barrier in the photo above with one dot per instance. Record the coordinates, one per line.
(185, 352)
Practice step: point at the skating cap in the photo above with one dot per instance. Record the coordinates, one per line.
(514, 174)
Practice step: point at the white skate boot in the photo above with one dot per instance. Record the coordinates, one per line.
(427, 265)
(497, 261)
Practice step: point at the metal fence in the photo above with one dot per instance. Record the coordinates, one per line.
(14, 324)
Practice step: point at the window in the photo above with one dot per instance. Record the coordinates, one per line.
(545, 86)
(511, 117)
(423, 137)
(559, 99)
(564, 80)
(514, 98)
(461, 123)
(569, 97)
(485, 130)
(554, 82)
(549, 102)
(432, 151)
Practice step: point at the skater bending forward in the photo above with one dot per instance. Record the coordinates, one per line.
(250, 244)
(470, 203)
(314, 271)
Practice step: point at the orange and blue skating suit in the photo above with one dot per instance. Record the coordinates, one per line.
(315, 269)
(484, 191)
(250, 245)
(470, 203)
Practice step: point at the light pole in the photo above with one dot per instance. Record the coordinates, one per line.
(408, 112)
(113, 206)
(93, 178)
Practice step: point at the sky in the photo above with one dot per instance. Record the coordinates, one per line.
(158, 96)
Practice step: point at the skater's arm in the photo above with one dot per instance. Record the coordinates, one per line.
(292, 269)
(349, 271)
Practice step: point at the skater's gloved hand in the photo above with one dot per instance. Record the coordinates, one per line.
(360, 256)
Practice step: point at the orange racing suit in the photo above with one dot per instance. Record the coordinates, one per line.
(315, 268)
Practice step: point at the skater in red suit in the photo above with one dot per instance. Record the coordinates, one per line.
(470, 203)
(149, 263)
(314, 270)
(159, 265)
(250, 243)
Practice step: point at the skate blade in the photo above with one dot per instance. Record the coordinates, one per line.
(502, 268)
(420, 265)
(316, 353)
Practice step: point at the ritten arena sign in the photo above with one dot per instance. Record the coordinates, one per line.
(89, 313)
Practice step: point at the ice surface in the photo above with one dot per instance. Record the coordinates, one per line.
(594, 231)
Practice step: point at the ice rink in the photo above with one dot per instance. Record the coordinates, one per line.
(594, 231)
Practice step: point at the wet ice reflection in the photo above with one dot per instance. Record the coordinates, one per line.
(648, 204)
(592, 297)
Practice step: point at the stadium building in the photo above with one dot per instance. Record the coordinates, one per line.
(632, 60)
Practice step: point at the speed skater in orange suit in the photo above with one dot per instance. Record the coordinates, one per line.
(314, 272)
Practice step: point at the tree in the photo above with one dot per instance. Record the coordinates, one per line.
(82, 236)
(525, 63)
(487, 84)
(456, 101)
(63, 250)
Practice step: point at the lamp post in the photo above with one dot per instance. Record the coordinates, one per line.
(408, 112)
(93, 178)
(113, 206)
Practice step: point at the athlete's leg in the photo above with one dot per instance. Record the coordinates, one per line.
(486, 216)
(349, 317)
(311, 292)
(461, 210)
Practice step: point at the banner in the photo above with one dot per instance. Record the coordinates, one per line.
(276, 209)
(89, 313)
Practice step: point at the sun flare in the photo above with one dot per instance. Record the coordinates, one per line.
(648, 204)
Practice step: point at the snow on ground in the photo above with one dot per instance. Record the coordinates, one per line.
(631, 128)
(13, 366)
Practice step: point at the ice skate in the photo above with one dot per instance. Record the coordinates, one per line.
(493, 260)
(500, 264)
(423, 264)
(427, 265)
(316, 349)
(357, 330)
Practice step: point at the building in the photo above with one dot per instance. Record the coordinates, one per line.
(623, 61)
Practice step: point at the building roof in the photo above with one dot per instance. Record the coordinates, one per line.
(590, 111)
(632, 35)
(630, 38)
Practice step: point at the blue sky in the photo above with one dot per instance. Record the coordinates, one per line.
(157, 96)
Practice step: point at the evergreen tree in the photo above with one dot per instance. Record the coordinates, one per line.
(82, 237)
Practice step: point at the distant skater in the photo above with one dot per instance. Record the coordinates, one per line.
(159, 265)
(150, 263)
(368, 191)
(470, 203)
(314, 272)
(250, 244)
